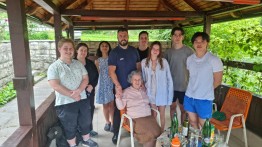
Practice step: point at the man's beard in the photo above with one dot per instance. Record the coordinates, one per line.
(123, 42)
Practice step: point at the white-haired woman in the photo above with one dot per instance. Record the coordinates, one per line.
(136, 101)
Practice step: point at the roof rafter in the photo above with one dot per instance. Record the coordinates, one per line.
(192, 5)
(51, 8)
(84, 23)
(231, 8)
(66, 4)
(169, 6)
(124, 14)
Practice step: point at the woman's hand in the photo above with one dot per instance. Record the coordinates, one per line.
(89, 88)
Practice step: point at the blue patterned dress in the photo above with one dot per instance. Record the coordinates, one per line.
(104, 94)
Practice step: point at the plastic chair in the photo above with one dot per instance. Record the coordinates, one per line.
(127, 124)
(236, 107)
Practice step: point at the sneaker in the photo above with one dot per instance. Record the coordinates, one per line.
(89, 143)
(93, 133)
(112, 129)
(107, 127)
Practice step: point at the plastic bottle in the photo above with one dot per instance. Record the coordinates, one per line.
(206, 134)
(175, 142)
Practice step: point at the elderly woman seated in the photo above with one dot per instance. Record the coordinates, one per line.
(136, 102)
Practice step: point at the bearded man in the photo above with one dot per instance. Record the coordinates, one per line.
(121, 62)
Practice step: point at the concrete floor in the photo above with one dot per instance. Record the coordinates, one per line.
(9, 123)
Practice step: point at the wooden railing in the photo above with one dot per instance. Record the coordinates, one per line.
(45, 118)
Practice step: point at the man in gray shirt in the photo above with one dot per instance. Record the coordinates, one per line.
(176, 57)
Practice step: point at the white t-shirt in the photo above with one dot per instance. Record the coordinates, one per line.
(201, 72)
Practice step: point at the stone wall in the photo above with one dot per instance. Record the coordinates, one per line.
(42, 54)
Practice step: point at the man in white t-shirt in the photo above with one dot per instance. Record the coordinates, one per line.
(205, 74)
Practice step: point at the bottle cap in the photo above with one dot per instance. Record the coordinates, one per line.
(175, 142)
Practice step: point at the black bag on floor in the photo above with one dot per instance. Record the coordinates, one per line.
(57, 132)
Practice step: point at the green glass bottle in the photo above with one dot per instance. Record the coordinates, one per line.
(185, 129)
(206, 134)
(174, 126)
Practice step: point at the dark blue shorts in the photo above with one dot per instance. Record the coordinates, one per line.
(180, 96)
(75, 116)
(203, 108)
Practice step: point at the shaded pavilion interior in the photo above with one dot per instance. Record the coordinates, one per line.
(73, 15)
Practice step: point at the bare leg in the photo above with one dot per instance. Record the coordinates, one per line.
(86, 137)
(111, 112)
(150, 144)
(172, 109)
(201, 121)
(183, 113)
(72, 142)
(162, 117)
(106, 108)
(193, 119)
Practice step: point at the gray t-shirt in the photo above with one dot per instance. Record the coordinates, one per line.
(177, 63)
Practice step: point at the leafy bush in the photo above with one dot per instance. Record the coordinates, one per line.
(7, 93)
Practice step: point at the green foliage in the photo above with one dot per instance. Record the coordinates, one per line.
(240, 41)
(7, 93)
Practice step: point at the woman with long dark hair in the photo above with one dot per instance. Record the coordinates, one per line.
(105, 94)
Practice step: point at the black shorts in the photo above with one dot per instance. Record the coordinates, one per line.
(75, 116)
(180, 96)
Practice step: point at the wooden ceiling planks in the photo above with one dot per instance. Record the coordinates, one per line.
(219, 11)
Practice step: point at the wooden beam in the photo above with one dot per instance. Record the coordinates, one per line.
(66, 4)
(129, 28)
(58, 31)
(193, 5)
(48, 5)
(127, 4)
(125, 14)
(84, 23)
(52, 8)
(23, 79)
(71, 32)
(231, 8)
(169, 6)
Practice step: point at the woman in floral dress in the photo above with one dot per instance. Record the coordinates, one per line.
(104, 93)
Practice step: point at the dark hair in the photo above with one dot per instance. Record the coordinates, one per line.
(142, 32)
(204, 36)
(122, 29)
(159, 57)
(78, 46)
(98, 51)
(177, 29)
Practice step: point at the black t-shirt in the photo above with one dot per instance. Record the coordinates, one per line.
(143, 54)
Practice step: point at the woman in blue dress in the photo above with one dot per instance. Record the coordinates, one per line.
(104, 93)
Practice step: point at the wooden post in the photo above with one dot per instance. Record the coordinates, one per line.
(71, 32)
(23, 79)
(207, 24)
(58, 31)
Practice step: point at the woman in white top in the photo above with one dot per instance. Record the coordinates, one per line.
(158, 81)
(205, 74)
